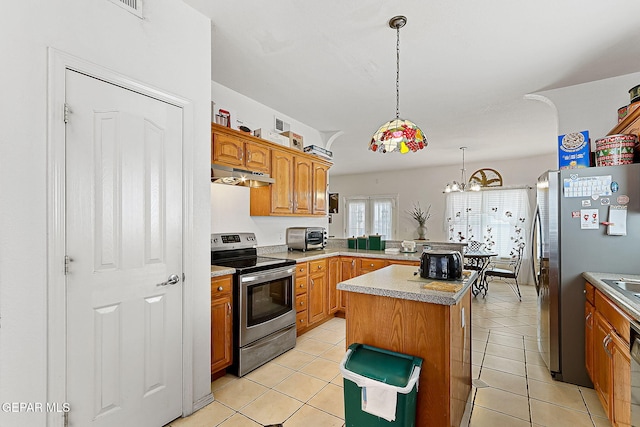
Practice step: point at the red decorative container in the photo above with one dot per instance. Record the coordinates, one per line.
(615, 150)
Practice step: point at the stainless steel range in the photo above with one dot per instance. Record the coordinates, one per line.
(264, 322)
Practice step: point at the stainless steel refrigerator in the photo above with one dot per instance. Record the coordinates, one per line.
(569, 238)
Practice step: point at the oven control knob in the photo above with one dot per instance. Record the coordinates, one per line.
(215, 240)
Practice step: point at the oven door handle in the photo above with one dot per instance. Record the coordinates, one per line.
(265, 276)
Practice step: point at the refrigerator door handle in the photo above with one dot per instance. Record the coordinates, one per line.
(534, 249)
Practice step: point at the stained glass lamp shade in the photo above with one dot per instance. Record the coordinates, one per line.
(398, 135)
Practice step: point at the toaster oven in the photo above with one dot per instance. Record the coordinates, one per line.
(306, 238)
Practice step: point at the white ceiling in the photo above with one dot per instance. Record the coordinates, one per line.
(465, 67)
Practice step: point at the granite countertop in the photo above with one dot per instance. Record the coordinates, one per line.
(300, 256)
(626, 300)
(398, 281)
(221, 271)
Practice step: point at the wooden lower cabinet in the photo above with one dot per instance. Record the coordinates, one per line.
(302, 300)
(435, 332)
(589, 322)
(318, 289)
(367, 265)
(333, 300)
(347, 271)
(621, 386)
(221, 323)
(607, 356)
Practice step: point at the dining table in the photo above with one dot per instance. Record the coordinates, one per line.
(479, 261)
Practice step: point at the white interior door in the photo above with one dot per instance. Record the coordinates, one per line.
(124, 239)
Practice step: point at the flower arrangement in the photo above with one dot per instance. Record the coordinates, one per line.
(419, 215)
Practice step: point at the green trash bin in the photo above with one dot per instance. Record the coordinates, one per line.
(380, 387)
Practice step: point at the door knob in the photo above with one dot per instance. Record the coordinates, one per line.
(172, 280)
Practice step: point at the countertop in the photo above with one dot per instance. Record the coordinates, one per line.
(398, 281)
(299, 256)
(627, 301)
(221, 271)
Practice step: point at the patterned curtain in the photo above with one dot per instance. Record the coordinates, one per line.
(498, 218)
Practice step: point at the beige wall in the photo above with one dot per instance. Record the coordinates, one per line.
(426, 186)
(169, 49)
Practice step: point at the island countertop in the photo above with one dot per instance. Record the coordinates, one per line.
(399, 281)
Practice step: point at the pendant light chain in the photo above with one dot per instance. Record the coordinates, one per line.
(397, 71)
(398, 135)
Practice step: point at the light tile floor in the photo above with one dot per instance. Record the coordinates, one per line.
(303, 387)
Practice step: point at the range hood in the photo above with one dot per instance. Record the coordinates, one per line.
(234, 176)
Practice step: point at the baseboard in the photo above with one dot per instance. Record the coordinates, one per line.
(202, 402)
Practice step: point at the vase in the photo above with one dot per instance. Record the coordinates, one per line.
(422, 231)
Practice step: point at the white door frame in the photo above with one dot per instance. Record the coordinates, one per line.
(58, 63)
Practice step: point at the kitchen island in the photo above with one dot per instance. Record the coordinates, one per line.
(392, 309)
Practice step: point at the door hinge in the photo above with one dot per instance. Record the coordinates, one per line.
(65, 419)
(183, 277)
(67, 110)
(67, 261)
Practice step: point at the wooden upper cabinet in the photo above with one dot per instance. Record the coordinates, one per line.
(236, 151)
(320, 172)
(258, 157)
(282, 190)
(227, 150)
(300, 187)
(302, 183)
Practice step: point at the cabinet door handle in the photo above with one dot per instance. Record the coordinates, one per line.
(301, 302)
(319, 267)
(228, 309)
(590, 326)
(240, 153)
(248, 155)
(220, 288)
(353, 263)
(312, 283)
(605, 343)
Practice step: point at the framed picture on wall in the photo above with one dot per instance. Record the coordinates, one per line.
(333, 202)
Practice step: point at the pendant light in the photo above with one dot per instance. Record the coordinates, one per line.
(463, 185)
(398, 134)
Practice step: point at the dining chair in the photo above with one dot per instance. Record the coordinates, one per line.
(469, 263)
(510, 274)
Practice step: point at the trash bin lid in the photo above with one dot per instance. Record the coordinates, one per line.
(382, 365)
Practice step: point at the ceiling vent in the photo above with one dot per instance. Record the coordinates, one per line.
(133, 6)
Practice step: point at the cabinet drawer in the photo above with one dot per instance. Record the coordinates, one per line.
(370, 264)
(318, 265)
(301, 285)
(302, 269)
(221, 286)
(589, 292)
(618, 320)
(301, 302)
(301, 320)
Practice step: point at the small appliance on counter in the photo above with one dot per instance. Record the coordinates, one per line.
(408, 246)
(441, 265)
(306, 238)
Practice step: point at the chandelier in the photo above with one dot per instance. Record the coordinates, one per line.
(463, 185)
(398, 134)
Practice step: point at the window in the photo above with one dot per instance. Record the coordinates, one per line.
(498, 218)
(371, 215)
